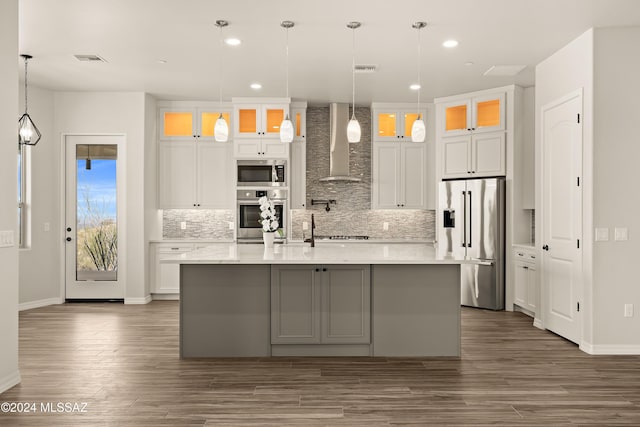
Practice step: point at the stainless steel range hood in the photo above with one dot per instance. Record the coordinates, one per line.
(339, 148)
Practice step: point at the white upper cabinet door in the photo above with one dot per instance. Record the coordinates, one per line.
(414, 176)
(176, 174)
(214, 169)
(455, 117)
(488, 156)
(386, 175)
(488, 113)
(456, 156)
(275, 149)
(206, 122)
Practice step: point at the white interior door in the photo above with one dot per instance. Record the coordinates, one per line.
(562, 215)
(94, 217)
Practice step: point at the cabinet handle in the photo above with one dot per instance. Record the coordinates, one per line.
(473, 128)
(68, 228)
(324, 269)
(68, 239)
(473, 171)
(525, 267)
(468, 171)
(545, 247)
(175, 249)
(469, 129)
(520, 254)
(317, 269)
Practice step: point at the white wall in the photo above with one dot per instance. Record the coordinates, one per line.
(115, 112)
(41, 285)
(616, 156)
(567, 70)
(9, 114)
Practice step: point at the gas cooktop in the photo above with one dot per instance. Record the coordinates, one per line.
(340, 237)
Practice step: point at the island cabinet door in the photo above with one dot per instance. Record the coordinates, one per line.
(295, 304)
(346, 304)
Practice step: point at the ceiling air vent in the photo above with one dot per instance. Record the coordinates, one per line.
(360, 68)
(89, 58)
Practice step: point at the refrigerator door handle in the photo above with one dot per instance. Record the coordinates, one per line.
(464, 219)
(470, 220)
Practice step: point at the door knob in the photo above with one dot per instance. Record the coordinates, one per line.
(545, 247)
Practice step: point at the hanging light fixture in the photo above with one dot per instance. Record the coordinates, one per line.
(87, 161)
(221, 129)
(286, 127)
(28, 133)
(418, 131)
(353, 128)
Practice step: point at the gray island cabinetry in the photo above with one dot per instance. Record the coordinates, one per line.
(331, 300)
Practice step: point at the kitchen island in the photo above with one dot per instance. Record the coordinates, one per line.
(370, 299)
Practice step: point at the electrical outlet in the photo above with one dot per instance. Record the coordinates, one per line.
(621, 233)
(602, 234)
(183, 225)
(231, 226)
(305, 225)
(385, 226)
(47, 226)
(628, 310)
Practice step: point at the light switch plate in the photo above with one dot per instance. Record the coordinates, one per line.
(183, 225)
(47, 226)
(385, 226)
(231, 226)
(6, 239)
(621, 233)
(602, 234)
(305, 225)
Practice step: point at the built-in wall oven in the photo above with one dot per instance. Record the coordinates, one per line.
(249, 228)
(262, 173)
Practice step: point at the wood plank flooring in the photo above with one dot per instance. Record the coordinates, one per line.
(123, 362)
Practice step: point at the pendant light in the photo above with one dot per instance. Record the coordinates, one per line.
(221, 129)
(87, 161)
(286, 127)
(28, 133)
(418, 131)
(353, 128)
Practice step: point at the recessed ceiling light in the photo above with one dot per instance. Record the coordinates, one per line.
(468, 64)
(256, 86)
(414, 86)
(162, 61)
(232, 41)
(450, 43)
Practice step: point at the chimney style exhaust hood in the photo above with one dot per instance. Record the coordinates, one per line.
(339, 148)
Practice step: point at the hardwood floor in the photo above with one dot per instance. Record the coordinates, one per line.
(123, 362)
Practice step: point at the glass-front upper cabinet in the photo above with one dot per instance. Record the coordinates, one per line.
(394, 123)
(478, 114)
(298, 116)
(188, 123)
(259, 120)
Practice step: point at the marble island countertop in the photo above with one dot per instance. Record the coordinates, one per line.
(323, 253)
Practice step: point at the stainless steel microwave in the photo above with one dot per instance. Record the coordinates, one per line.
(262, 173)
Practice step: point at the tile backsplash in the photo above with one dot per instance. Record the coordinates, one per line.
(201, 224)
(352, 214)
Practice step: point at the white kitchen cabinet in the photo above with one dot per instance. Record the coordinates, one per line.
(260, 149)
(399, 175)
(165, 278)
(393, 122)
(188, 120)
(299, 119)
(463, 115)
(195, 174)
(259, 118)
(329, 304)
(477, 155)
(526, 293)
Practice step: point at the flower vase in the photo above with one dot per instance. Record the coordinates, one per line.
(268, 239)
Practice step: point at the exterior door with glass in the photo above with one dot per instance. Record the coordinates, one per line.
(94, 184)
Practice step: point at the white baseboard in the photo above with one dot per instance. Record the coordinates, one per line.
(537, 322)
(607, 349)
(144, 300)
(9, 381)
(166, 297)
(40, 303)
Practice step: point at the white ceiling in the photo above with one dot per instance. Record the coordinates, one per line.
(132, 35)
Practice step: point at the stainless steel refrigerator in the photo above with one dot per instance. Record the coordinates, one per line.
(471, 223)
